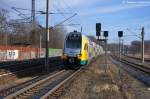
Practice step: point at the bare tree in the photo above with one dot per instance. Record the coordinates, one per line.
(20, 33)
(3, 25)
(57, 37)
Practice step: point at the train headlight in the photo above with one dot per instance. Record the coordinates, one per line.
(79, 56)
(64, 56)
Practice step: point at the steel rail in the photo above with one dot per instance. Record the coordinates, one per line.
(19, 71)
(137, 66)
(13, 89)
(137, 58)
(26, 88)
(64, 82)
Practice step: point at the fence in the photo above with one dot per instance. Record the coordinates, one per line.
(11, 53)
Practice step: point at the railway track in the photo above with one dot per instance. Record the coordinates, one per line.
(26, 63)
(137, 58)
(40, 87)
(4, 73)
(9, 68)
(137, 66)
(57, 89)
(7, 92)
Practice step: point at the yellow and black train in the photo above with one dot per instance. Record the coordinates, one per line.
(79, 50)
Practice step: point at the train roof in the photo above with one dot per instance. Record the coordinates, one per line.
(79, 33)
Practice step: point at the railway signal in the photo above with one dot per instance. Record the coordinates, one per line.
(98, 29)
(105, 33)
(120, 34)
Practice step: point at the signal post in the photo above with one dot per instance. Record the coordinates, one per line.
(120, 34)
(99, 38)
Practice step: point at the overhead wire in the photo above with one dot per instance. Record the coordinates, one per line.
(18, 11)
(62, 8)
(69, 21)
(71, 9)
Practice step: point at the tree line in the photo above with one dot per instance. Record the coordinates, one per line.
(18, 33)
(133, 48)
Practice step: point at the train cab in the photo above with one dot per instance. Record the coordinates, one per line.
(78, 50)
(75, 49)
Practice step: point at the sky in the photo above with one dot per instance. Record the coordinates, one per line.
(114, 15)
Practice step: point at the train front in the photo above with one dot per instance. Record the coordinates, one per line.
(72, 49)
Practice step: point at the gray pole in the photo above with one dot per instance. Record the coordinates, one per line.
(120, 58)
(119, 48)
(122, 46)
(142, 45)
(40, 47)
(106, 54)
(81, 29)
(47, 34)
(33, 12)
(6, 39)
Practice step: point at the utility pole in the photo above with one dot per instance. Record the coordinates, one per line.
(81, 29)
(33, 12)
(106, 55)
(119, 48)
(122, 47)
(142, 45)
(40, 46)
(6, 39)
(47, 36)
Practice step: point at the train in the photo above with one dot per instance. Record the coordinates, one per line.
(79, 50)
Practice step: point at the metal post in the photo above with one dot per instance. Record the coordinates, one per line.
(120, 57)
(142, 45)
(6, 40)
(33, 12)
(40, 47)
(119, 48)
(106, 54)
(122, 48)
(47, 34)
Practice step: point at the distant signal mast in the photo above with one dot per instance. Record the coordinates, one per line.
(33, 12)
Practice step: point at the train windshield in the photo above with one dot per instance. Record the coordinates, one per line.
(73, 43)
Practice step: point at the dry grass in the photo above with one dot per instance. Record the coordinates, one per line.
(130, 86)
(93, 83)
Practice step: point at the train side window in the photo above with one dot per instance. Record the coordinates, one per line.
(85, 47)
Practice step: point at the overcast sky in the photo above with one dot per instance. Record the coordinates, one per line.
(114, 15)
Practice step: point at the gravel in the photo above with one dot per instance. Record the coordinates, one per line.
(96, 83)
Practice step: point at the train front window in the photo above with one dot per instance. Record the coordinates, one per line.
(73, 43)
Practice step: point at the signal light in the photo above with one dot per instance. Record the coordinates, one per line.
(105, 33)
(75, 31)
(120, 33)
(98, 29)
(64, 56)
(79, 56)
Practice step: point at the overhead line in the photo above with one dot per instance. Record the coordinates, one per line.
(65, 16)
